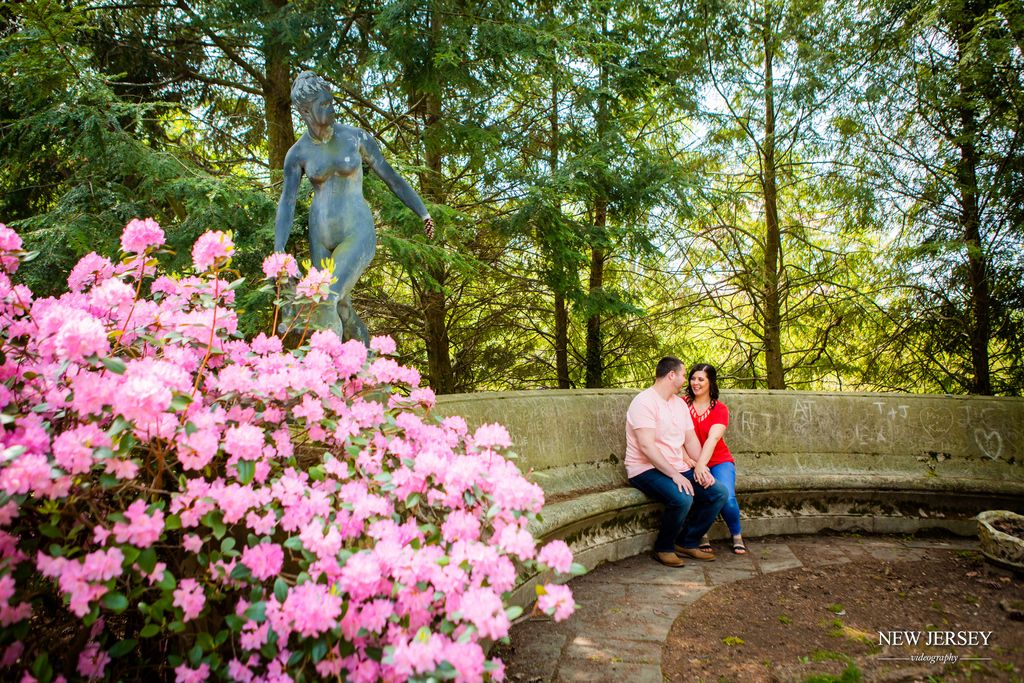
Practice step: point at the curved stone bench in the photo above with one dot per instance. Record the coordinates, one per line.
(806, 462)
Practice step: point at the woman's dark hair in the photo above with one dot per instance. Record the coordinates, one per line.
(712, 374)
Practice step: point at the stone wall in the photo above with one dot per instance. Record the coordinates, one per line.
(778, 432)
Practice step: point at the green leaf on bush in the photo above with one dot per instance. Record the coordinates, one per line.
(147, 560)
(281, 590)
(205, 641)
(115, 365)
(180, 402)
(115, 601)
(319, 650)
(167, 583)
(412, 501)
(293, 543)
(241, 571)
(227, 545)
(257, 612)
(246, 470)
(131, 553)
(234, 622)
(41, 668)
(195, 655)
(236, 284)
(172, 523)
(577, 569)
(122, 648)
(295, 658)
(513, 612)
(108, 481)
(149, 630)
(215, 520)
(50, 531)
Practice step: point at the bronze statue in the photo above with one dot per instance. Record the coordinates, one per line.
(340, 222)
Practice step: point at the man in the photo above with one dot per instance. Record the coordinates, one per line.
(658, 433)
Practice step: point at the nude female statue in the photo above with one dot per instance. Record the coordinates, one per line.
(340, 223)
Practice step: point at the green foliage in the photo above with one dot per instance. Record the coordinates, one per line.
(596, 172)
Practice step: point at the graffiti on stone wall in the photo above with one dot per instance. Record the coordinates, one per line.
(871, 424)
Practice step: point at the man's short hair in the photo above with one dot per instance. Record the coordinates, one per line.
(666, 365)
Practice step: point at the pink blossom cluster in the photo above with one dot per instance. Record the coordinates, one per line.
(154, 460)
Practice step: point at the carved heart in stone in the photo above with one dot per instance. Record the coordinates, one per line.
(936, 422)
(990, 442)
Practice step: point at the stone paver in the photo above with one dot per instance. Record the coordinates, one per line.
(625, 609)
(775, 557)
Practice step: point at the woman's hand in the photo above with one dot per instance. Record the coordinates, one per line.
(702, 475)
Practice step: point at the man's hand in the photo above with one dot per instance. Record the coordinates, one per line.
(702, 475)
(683, 483)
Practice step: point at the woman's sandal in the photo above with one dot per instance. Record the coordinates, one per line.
(705, 545)
(739, 548)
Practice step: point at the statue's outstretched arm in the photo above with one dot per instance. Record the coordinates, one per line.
(371, 153)
(286, 205)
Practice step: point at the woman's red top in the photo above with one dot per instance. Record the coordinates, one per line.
(718, 415)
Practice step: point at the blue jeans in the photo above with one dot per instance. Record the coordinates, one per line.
(725, 472)
(675, 527)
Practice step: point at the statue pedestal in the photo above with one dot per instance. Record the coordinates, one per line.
(294, 327)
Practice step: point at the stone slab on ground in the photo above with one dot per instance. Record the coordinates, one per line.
(625, 609)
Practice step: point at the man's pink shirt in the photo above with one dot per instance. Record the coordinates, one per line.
(670, 421)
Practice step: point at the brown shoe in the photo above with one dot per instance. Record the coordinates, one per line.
(669, 559)
(695, 553)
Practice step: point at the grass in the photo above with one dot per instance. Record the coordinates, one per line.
(785, 619)
(732, 641)
(850, 675)
(833, 626)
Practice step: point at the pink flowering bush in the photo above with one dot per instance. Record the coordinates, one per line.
(178, 501)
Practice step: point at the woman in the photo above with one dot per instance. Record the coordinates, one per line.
(341, 227)
(710, 420)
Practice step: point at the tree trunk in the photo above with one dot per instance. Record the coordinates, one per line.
(595, 350)
(980, 321)
(277, 97)
(432, 300)
(773, 238)
(560, 280)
